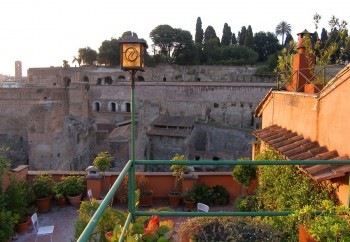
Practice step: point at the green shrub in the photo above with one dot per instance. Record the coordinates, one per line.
(227, 229)
(246, 203)
(103, 161)
(7, 223)
(286, 188)
(73, 185)
(203, 193)
(220, 193)
(244, 174)
(43, 186)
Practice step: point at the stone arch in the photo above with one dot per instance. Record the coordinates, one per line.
(113, 107)
(66, 81)
(108, 80)
(126, 107)
(140, 78)
(96, 106)
(121, 78)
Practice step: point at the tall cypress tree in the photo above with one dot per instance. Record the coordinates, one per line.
(234, 39)
(199, 32)
(249, 38)
(226, 35)
(241, 35)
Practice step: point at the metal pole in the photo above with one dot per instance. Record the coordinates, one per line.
(131, 176)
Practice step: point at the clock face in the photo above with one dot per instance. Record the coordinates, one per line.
(131, 54)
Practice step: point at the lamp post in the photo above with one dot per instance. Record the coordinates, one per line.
(132, 53)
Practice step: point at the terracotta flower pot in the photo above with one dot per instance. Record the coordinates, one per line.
(61, 202)
(304, 236)
(174, 199)
(190, 204)
(146, 200)
(22, 227)
(75, 201)
(43, 204)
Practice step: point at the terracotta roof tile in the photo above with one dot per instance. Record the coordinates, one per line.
(295, 147)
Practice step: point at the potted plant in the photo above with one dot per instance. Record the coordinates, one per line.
(42, 187)
(20, 198)
(203, 193)
(244, 174)
(189, 199)
(103, 162)
(146, 194)
(178, 171)
(73, 187)
(331, 225)
(220, 194)
(7, 222)
(60, 194)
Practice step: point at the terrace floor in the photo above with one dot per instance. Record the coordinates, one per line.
(63, 220)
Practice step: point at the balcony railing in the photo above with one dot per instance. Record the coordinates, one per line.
(130, 169)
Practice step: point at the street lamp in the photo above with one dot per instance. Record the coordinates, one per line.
(132, 56)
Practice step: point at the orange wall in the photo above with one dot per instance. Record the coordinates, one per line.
(334, 120)
(292, 110)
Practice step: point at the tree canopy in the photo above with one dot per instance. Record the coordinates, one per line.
(199, 32)
(226, 35)
(282, 29)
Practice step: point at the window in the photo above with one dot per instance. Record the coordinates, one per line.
(96, 106)
(216, 105)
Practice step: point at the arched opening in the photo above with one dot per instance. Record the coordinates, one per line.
(113, 107)
(216, 158)
(140, 78)
(85, 79)
(128, 107)
(108, 80)
(66, 81)
(99, 82)
(121, 78)
(96, 106)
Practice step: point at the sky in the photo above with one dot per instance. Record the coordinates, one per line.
(43, 33)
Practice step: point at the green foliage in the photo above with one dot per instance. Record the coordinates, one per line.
(163, 37)
(109, 219)
(43, 186)
(227, 229)
(285, 188)
(244, 174)
(283, 28)
(7, 223)
(246, 204)
(249, 39)
(226, 35)
(59, 190)
(109, 53)
(178, 170)
(265, 44)
(73, 185)
(199, 32)
(203, 193)
(220, 193)
(189, 195)
(331, 225)
(209, 34)
(241, 35)
(87, 55)
(20, 198)
(103, 161)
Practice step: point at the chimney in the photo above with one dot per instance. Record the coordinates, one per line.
(303, 65)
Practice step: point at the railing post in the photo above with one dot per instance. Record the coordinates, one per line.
(131, 176)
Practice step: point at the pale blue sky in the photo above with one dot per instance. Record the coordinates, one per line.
(42, 33)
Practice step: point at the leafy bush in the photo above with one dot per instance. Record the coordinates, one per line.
(103, 161)
(43, 186)
(73, 185)
(227, 229)
(244, 174)
(331, 225)
(246, 203)
(203, 193)
(220, 193)
(7, 223)
(285, 188)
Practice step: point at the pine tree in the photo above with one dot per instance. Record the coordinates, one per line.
(226, 35)
(199, 32)
(249, 38)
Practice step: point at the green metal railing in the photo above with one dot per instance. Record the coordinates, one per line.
(130, 169)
